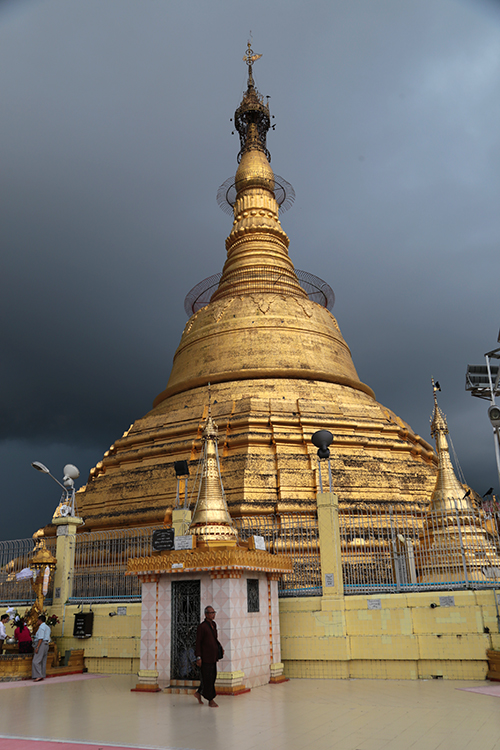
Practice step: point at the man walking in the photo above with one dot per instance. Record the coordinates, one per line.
(41, 642)
(208, 652)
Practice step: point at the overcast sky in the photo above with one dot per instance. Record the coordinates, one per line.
(115, 133)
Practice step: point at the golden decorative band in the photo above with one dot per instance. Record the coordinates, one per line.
(289, 374)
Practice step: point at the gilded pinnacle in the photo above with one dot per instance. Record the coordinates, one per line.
(449, 492)
(212, 524)
(438, 419)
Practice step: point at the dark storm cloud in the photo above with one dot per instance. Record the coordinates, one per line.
(115, 128)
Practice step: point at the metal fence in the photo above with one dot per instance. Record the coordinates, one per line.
(14, 556)
(290, 534)
(101, 562)
(394, 549)
(384, 549)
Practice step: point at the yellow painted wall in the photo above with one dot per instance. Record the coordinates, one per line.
(115, 646)
(332, 637)
(339, 637)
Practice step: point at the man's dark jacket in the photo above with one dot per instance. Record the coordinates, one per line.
(206, 642)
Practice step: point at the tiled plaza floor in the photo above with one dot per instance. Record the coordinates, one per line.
(300, 714)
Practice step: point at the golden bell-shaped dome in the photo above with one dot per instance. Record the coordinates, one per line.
(279, 370)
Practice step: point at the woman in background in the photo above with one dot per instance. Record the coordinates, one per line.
(23, 637)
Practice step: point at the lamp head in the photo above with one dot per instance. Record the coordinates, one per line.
(40, 467)
(494, 415)
(71, 471)
(322, 439)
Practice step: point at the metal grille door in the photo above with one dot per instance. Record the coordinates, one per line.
(185, 620)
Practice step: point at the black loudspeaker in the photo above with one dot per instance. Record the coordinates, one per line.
(322, 439)
(181, 468)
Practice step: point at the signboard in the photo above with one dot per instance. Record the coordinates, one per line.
(329, 580)
(446, 601)
(84, 622)
(121, 611)
(260, 543)
(163, 539)
(183, 542)
(374, 603)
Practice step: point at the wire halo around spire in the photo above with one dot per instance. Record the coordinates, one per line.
(283, 193)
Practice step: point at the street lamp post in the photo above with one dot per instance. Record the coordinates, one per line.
(483, 381)
(70, 473)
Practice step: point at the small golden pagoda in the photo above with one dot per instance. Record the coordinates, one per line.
(454, 545)
(211, 525)
(279, 370)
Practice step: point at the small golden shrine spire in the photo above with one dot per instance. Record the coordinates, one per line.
(212, 525)
(448, 493)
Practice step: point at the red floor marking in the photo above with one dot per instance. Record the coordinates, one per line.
(8, 743)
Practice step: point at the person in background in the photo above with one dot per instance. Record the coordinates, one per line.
(208, 652)
(42, 640)
(4, 619)
(23, 637)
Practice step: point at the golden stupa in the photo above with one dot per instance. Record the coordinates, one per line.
(279, 370)
(455, 543)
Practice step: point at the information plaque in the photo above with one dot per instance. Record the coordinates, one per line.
(446, 601)
(374, 603)
(260, 543)
(183, 542)
(329, 580)
(163, 539)
(84, 622)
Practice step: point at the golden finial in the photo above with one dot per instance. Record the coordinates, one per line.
(210, 430)
(438, 419)
(250, 57)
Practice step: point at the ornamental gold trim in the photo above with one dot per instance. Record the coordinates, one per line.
(210, 559)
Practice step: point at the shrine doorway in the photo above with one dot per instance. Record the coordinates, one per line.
(185, 620)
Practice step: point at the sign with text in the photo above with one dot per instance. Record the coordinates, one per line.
(446, 601)
(374, 603)
(329, 580)
(260, 543)
(163, 539)
(84, 622)
(184, 542)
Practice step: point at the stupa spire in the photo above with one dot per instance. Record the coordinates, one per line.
(212, 524)
(257, 248)
(448, 493)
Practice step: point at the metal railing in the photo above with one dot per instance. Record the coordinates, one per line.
(101, 562)
(395, 549)
(384, 549)
(290, 534)
(15, 555)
